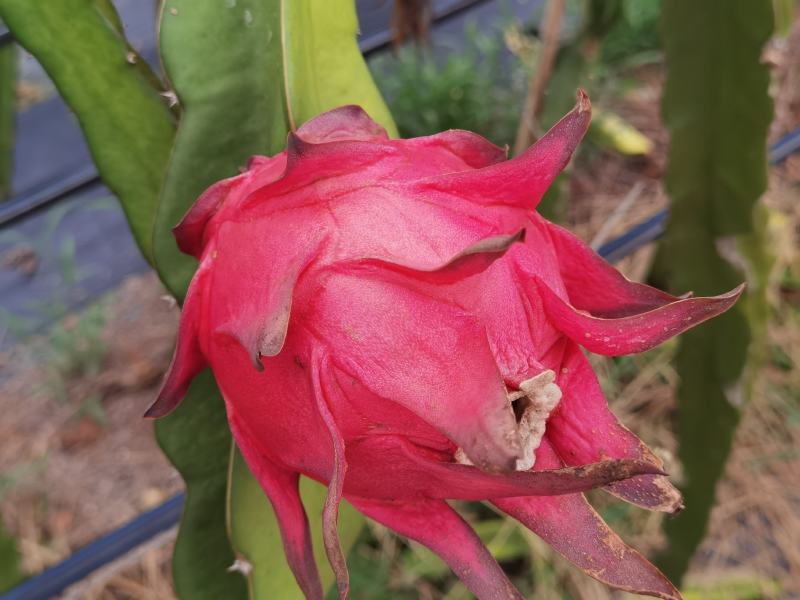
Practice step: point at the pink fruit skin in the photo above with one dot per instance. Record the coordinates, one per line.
(370, 308)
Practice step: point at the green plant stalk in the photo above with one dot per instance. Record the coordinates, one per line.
(116, 98)
(196, 437)
(717, 109)
(576, 60)
(8, 108)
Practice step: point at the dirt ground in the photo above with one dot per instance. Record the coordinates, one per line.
(73, 470)
(77, 460)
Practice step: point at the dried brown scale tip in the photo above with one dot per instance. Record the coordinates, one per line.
(584, 104)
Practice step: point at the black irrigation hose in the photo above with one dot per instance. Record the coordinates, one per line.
(44, 194)
(653, 227)
(100, 552)
(636, 237)
(784, 147)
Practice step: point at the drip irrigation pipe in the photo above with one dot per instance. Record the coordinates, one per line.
(47, 193)
(653, 227)
(99, 552)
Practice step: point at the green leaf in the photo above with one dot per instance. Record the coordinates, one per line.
(8, 107)
(229, 69)
(258, 541)
(220, 59)
(602, 16)
(196, 439)
(717, 110)
(612, 131)
(323, 65)
(106, 8)
(127, 124)
(475, 89)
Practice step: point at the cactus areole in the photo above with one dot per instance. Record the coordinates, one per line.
(393, 318)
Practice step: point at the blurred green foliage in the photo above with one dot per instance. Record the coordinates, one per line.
(735, 588)
(477, 87)
(633, 34)
(10, 574)
(384, 567)
(74, 347)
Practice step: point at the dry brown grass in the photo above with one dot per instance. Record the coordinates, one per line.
(70, 476)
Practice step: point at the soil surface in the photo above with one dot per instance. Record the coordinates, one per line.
(77, 458)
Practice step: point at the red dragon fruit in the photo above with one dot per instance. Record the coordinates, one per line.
(393, 319)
